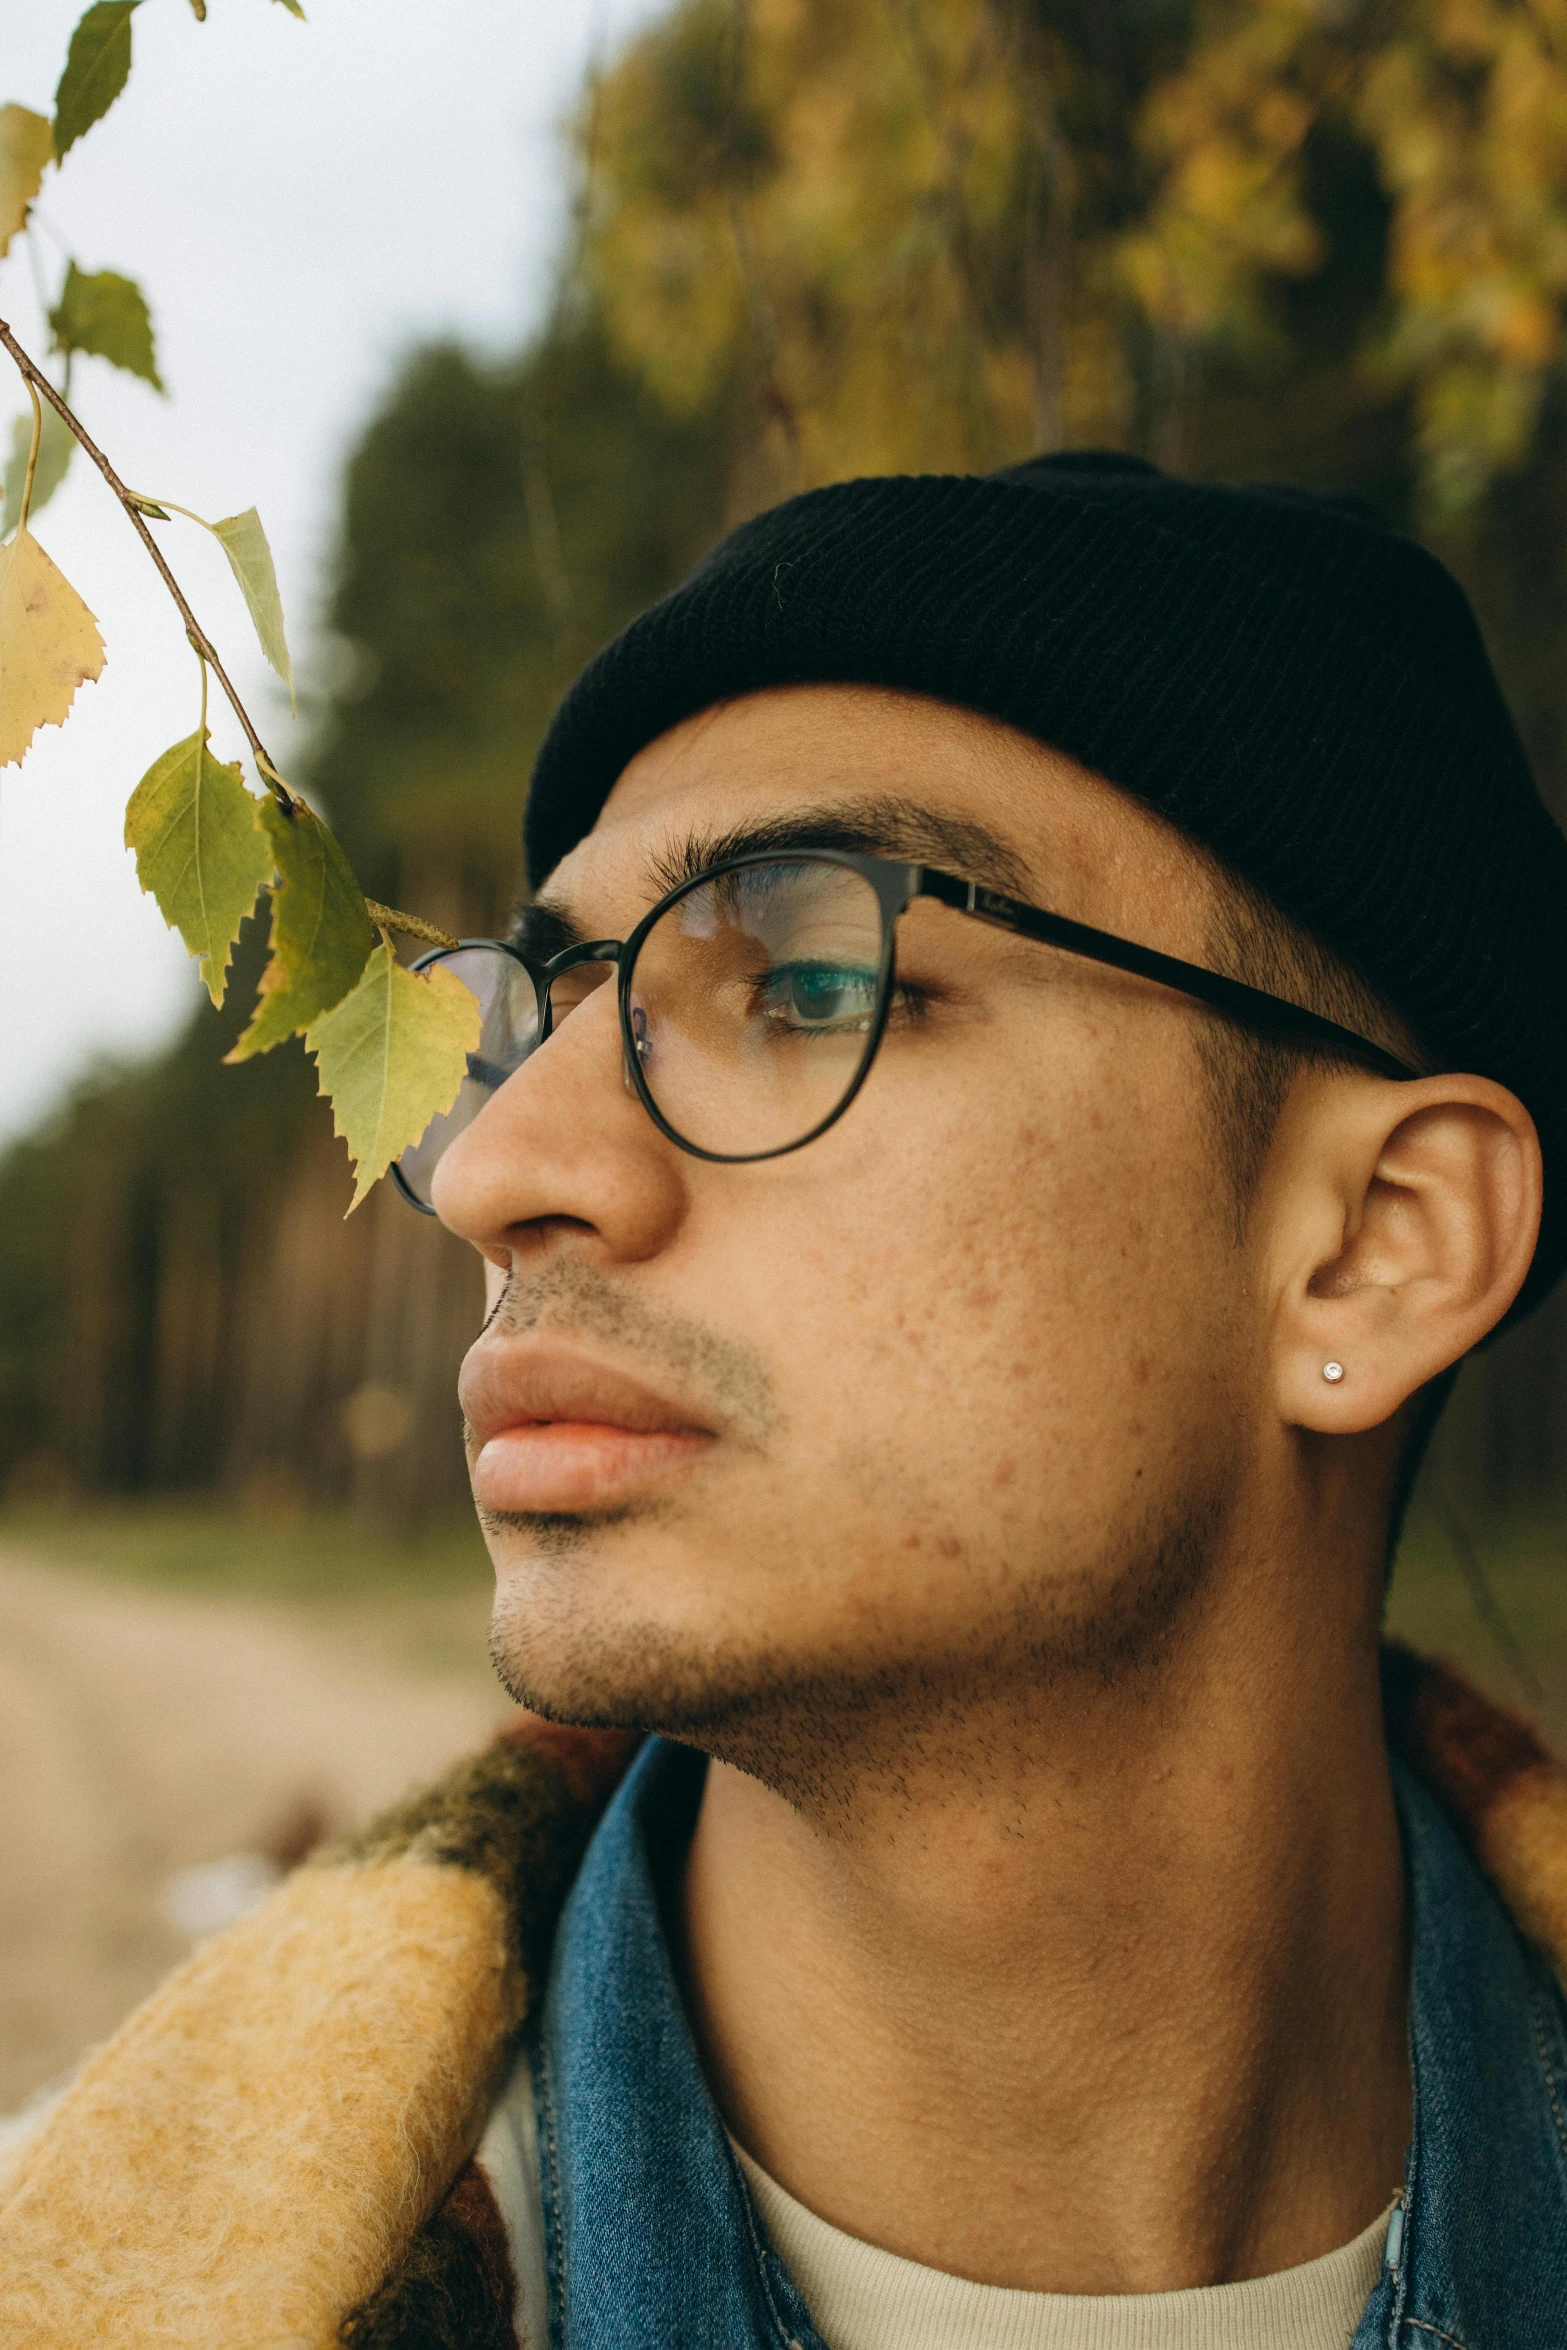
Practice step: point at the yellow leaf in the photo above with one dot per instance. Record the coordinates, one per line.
(49, 645)
(391, 1057)
(250, 558)
(200, 850)
(26, 145)
(321, 933)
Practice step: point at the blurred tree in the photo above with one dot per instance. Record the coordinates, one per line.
(125, 1221)
(1461, 105)
(900, 224)
(944, 235)
(499, 524)
(1317, 239)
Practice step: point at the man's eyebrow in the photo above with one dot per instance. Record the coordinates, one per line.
(875, 826)
(542, 928)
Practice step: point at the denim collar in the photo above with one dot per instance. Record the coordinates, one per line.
(651, 2235)
(1479, 2258)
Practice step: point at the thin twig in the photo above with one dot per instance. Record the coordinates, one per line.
(34, 376)
(385, 917)
(388, 918)
(32, 462)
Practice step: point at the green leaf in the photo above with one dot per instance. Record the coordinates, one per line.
(97, 66)
(321, 934)
(294, 9)
(54, 454)
(200, 850)
(49, 645)
(250, 558)
(391, 1056)
(107, 315)
(26, 145)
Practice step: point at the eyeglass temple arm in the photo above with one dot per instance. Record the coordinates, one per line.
(1251, 1006)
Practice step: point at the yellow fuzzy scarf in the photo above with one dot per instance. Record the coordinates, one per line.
(265, 2155)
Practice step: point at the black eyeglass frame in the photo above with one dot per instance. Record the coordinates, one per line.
(898, 886)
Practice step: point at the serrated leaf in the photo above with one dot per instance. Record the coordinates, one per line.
(321, 934)
(54, 454)
(250, 559)
(49, 645)
(106, 314)
(26, 145)
(200, 850)
(391, 1057)
(97, 66)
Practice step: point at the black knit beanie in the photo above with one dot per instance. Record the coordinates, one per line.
(1272, 670)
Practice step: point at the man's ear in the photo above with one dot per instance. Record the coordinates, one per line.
(1404, 1222)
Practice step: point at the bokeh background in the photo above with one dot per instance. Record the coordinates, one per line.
(502, 316)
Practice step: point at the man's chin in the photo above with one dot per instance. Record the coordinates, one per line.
(610, 1620)
(598, 1676)
(565, 1696)
(806, 1727)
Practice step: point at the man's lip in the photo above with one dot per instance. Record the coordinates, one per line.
(568, 1467)
(510, 1383)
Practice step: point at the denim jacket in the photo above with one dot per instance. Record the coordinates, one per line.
(651, 2236)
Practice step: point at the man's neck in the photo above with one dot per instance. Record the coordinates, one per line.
(1113, 2001)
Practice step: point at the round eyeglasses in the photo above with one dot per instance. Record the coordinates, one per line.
(752, 999)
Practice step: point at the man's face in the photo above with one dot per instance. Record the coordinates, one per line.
(948, 1400)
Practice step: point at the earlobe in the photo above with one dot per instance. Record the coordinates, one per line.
(1407, 1216)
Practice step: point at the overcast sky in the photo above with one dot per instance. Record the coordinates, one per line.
(301, 203)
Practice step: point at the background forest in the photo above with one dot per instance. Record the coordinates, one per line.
(1323, 240)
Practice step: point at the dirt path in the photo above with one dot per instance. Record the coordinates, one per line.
(143, 1733)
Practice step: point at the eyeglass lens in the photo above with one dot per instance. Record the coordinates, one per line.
(753, 1000)
(508, 1032)
(751, 1008)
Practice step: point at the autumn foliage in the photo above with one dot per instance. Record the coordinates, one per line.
(946, 235)
(390, 1045)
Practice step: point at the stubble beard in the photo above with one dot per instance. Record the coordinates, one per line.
(822, 1730)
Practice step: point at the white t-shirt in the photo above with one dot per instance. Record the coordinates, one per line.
(864, 2299)
(861, 2298)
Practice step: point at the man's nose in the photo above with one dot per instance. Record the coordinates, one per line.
(562, 1144)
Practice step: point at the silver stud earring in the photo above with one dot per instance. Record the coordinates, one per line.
(1332, 1373)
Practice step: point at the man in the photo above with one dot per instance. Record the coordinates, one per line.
(1031, 1061)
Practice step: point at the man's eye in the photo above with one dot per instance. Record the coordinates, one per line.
(819, 995)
